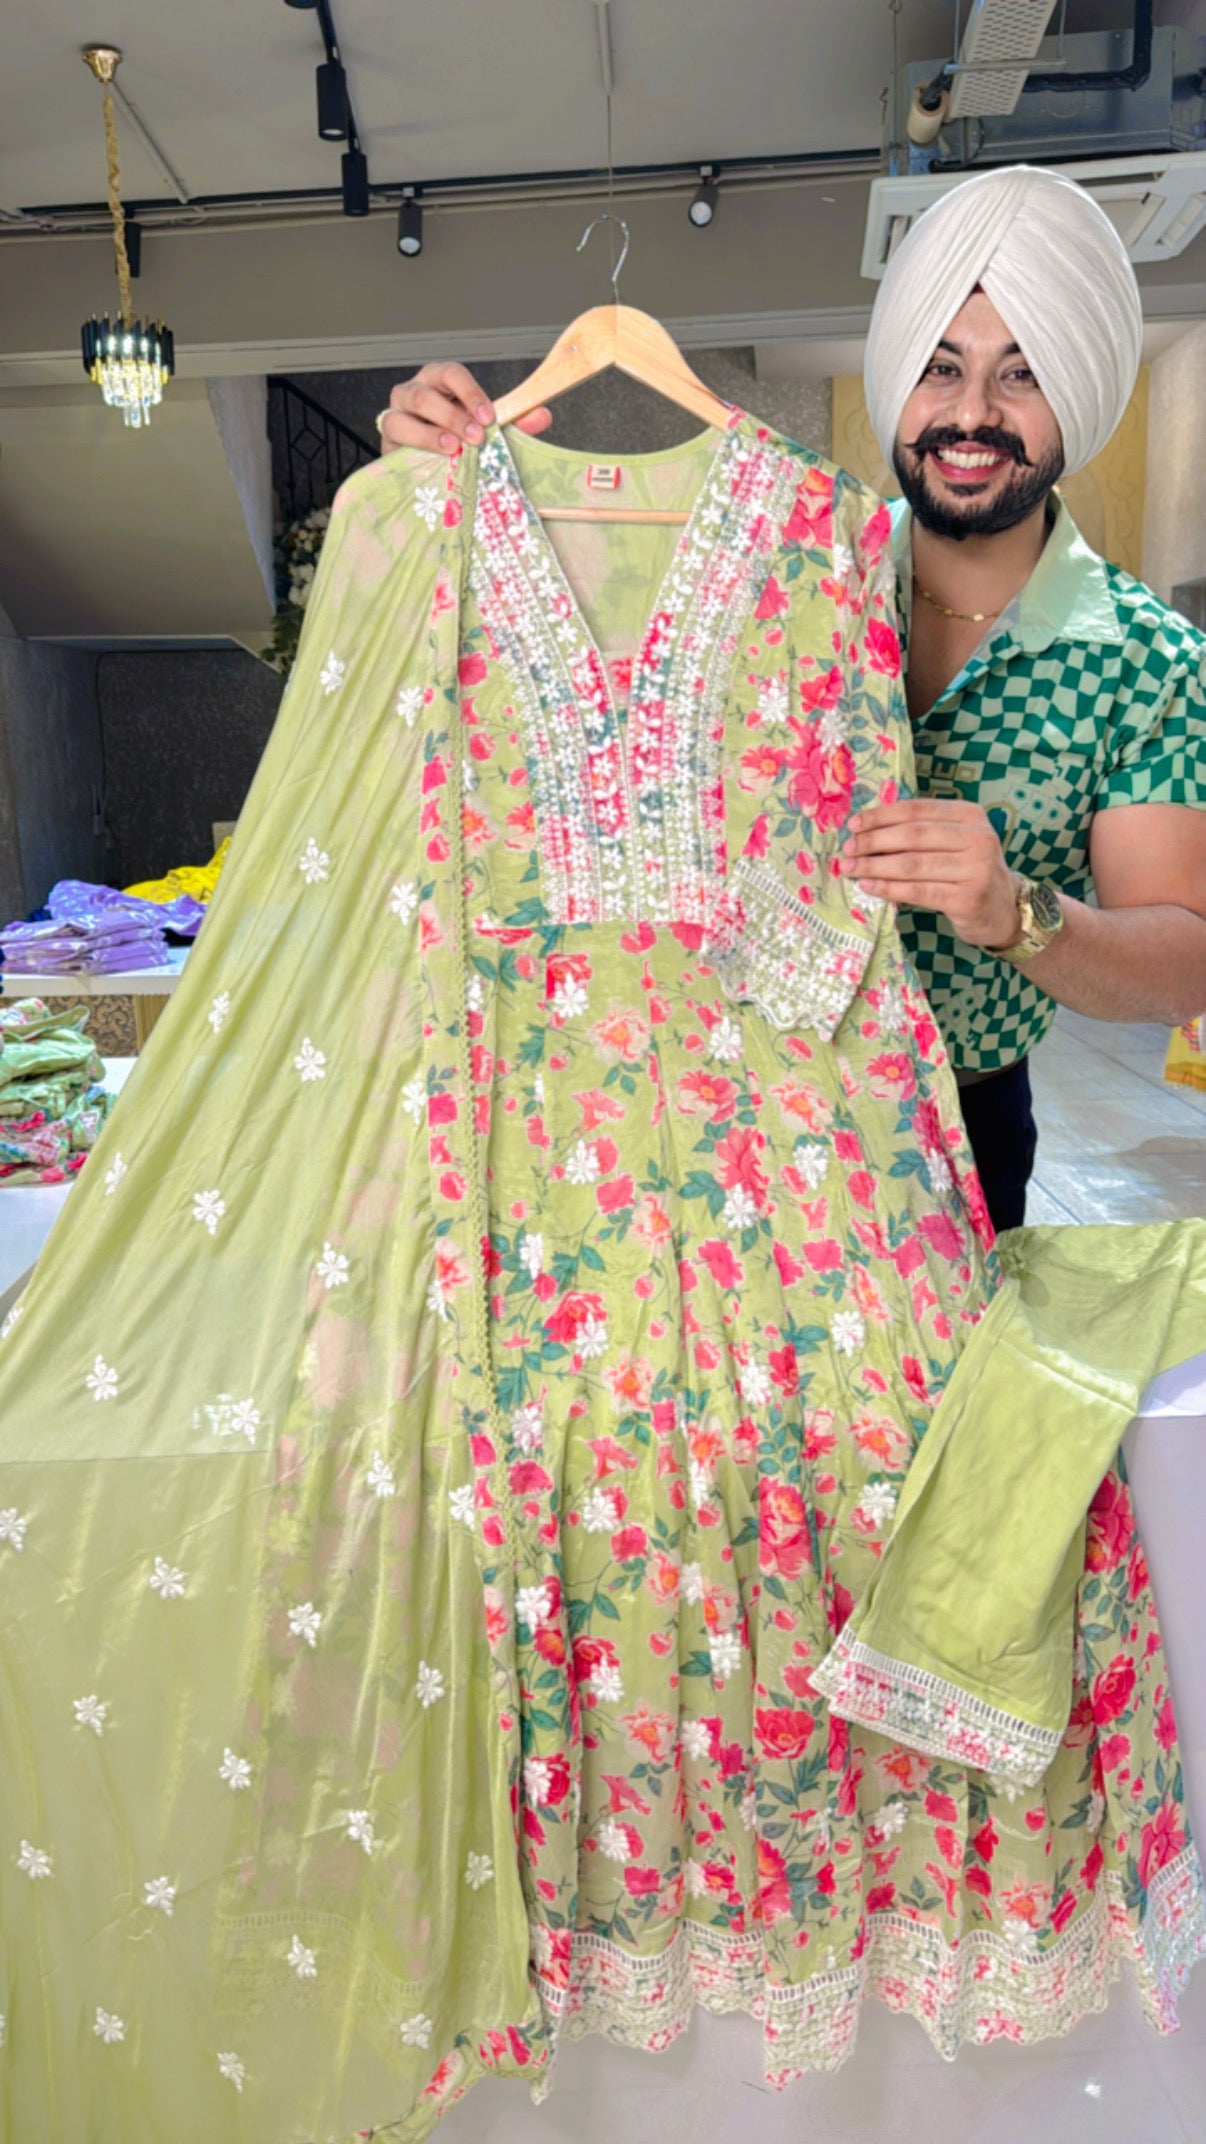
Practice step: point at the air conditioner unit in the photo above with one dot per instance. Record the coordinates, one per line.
(1156, 204)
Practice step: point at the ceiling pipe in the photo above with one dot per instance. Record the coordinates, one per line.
(1132, 77)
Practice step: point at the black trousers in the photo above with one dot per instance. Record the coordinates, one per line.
(1000, 1125)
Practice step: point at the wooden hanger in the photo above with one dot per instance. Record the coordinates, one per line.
(634, 343)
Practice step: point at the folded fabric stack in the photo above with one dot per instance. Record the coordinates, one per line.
(76, 901)
(93, 930)
(52, 1104)
(189, 885)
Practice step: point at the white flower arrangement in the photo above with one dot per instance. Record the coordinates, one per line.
(297, 548)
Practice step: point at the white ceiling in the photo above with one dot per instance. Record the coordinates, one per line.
(444, 88)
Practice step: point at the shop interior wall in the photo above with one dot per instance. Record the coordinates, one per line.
(1176, 492)
(51, 771)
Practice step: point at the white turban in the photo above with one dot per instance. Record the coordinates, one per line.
(1055, 268)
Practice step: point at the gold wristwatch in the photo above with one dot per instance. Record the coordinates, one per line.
(1040, 919)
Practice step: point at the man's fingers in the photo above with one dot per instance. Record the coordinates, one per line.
(537, 420)
(906, 865)
(441, 409)
(911, 809)
(936, 834)
(910, 892)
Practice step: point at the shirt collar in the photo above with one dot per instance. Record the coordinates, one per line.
(1066, 598)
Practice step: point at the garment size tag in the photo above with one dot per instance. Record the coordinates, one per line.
(604, 476)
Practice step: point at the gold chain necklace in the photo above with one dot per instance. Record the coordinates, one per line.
(969, 617)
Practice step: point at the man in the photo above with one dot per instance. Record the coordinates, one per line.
(1059, 709)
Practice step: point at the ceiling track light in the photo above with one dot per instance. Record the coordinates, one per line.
(354, 173)
(332, 85)
(705, 200)
(410, 223)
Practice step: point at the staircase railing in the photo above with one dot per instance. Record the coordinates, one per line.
(317, 450)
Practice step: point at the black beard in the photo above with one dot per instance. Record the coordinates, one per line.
(1026, 490)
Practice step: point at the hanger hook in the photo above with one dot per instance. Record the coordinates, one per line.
(618, 270)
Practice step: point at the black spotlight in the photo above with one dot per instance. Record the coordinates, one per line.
(332, 101)
(354, 166)
(133, 247)
(705, 200)
(410, 225)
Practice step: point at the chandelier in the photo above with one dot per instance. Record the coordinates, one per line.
(130, 363)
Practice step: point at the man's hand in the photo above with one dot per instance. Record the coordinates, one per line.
(443, 408)
(935, 852)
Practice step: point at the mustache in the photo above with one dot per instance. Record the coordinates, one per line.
(937, 436)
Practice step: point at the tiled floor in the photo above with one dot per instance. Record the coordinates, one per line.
(1115, 1143)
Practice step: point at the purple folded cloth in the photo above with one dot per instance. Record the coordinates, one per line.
(106, 945)
(74, 900)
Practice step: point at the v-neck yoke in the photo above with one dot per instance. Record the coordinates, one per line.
(637, 799)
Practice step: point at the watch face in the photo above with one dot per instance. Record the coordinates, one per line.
(1044, 906)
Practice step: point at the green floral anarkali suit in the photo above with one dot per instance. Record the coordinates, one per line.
(472, 1386)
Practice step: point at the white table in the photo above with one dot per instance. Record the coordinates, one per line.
(150, 988)
(28, 1211)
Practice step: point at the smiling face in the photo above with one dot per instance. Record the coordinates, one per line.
(978, 448)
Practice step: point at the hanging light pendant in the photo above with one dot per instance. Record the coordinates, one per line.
(130, 363)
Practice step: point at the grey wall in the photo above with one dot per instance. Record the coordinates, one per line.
(51, 771)
(612, 413)
(183, 736)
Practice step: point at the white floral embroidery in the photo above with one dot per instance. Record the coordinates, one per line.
(305, 1622)
(606, 1683)
(537, 1780)
(692, 1583)
(475, 992)
(236, 1771)
(332, 1268)
(428, 504)
(107, 2027)
(218, 1010)
(310, 1063)
(531, 1254)
(332, 674)
(696, 1879)
(613, 1841)
(848, 1332)
(527, 1426)
(436, 1303)
(314, 863)
(381, 1477)
(812, 1163)
(414, 1099)
(726, 1654)
(233, 1418)
(479, 1870)
(747, 1810)
(725, 1043)
(570, 999)
(755, 1382)
(582, 1166)
(877, 1503)
(359, 1827)
(892, 1818)
(12, 1528)
(593, 1338)
(166, 1580)
(232, 2068)
(34, 1862)
(538, 1090)
(833, 729)
(599, 1513)
(302, 1960)
(404, 900)
(740, 1209)
(532, 1605)
(416, 2031)
(101, 1380)
(696, 1738)
(461, 1504)
(408, 703)
(772, 700)
(430, 1685)
(160, 1894)
(208, 1208)
(90, 1712)
(113, 1176)
(891, 1009)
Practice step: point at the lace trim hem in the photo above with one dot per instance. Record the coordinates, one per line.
(982, 1987)
(929, 1714)
(771, 949)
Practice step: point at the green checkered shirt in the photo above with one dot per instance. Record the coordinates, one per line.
(1087, 692)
